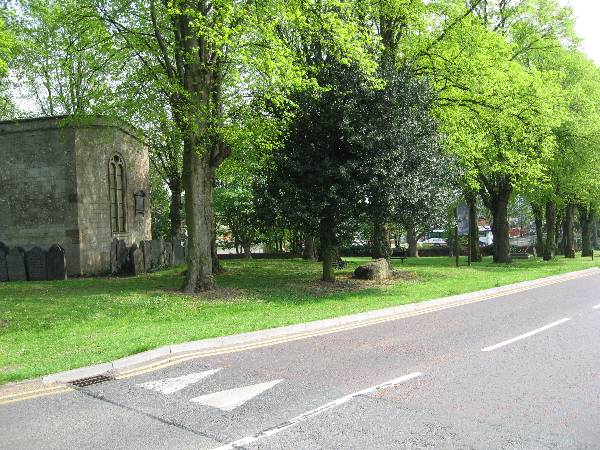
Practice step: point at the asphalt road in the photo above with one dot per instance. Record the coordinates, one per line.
(519, 371)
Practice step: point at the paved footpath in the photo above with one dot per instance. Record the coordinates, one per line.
(517, 371)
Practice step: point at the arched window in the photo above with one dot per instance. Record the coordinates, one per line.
(116, 182)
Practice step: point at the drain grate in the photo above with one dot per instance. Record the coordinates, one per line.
(89, 381)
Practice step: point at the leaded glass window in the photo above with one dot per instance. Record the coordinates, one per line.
(116, 181)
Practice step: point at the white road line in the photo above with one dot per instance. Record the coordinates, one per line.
(596, 307)
(307, 415)
(170, 385)
(232, 398)
(526, 335)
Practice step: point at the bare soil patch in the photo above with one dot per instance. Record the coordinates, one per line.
(346, 283)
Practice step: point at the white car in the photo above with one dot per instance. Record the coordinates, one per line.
(435, 241)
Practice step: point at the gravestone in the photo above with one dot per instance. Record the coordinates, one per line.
(146, 248)
(15, 263)
(136, 257)
(56, 263)
(161, 247)
(3, 268)
(178, 253)
(122, 257)
(168, 254)
(35, 261)
(156, 254)
(114, 266)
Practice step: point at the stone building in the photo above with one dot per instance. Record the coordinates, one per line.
(75, 184)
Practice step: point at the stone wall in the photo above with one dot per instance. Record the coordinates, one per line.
(37, 175)
(94, 146)
(148, 256)
(54, 188)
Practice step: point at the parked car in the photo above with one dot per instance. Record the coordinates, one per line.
(436, 242)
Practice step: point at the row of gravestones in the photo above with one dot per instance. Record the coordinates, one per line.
(37, 264)
(147, 257)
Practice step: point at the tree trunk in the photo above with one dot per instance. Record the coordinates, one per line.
(381, 243)
(411, 238)
(328, 247)
(473, 228)
(500, 228)
(562, 226)
(586, 216)
(538, 216)
(594, 233)
(217, 269)
(456, 241)
(570, 231)
(309, 251)
(175, 208)
(558, 234)
(247, 250)
(550, 246)
(450, 239)
(198, 185)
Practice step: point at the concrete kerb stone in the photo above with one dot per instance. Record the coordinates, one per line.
(139, 358)
(76, 374)
(292, 330)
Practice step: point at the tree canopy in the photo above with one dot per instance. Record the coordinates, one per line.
(319, 117)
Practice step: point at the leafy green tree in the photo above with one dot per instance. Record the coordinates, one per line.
(235, 208)
(570, 184)
(210, 57)
(407, 176)
(317, 176)
(498, 113)
(64, 65)
(7, 43)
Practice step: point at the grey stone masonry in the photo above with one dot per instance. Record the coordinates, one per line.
(15, 262)
(56, 188)
(136, 257)
(156, 254)
(56, 263)
(3, 268)
(36, 264)
(114, 266)
(146, 247)
(122, 257)
(178, 253)
(168, 253)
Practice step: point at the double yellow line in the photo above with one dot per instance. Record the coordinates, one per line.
(351, 326)
(283, 339)
(34, 393)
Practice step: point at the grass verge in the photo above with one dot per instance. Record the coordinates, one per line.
(46, 327)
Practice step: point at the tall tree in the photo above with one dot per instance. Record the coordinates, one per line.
(210, 56)
(407, 176)
(7, 44)
(64, 65)
(316, 177)
(499, 113)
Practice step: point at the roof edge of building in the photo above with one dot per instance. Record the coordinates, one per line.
(69, 121)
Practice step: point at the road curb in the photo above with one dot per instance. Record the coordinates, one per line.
(255, 337)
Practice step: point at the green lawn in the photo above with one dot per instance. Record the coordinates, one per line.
(47, 327)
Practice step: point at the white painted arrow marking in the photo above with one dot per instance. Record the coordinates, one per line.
(170, 385)
(314, 412)
(232, 398)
